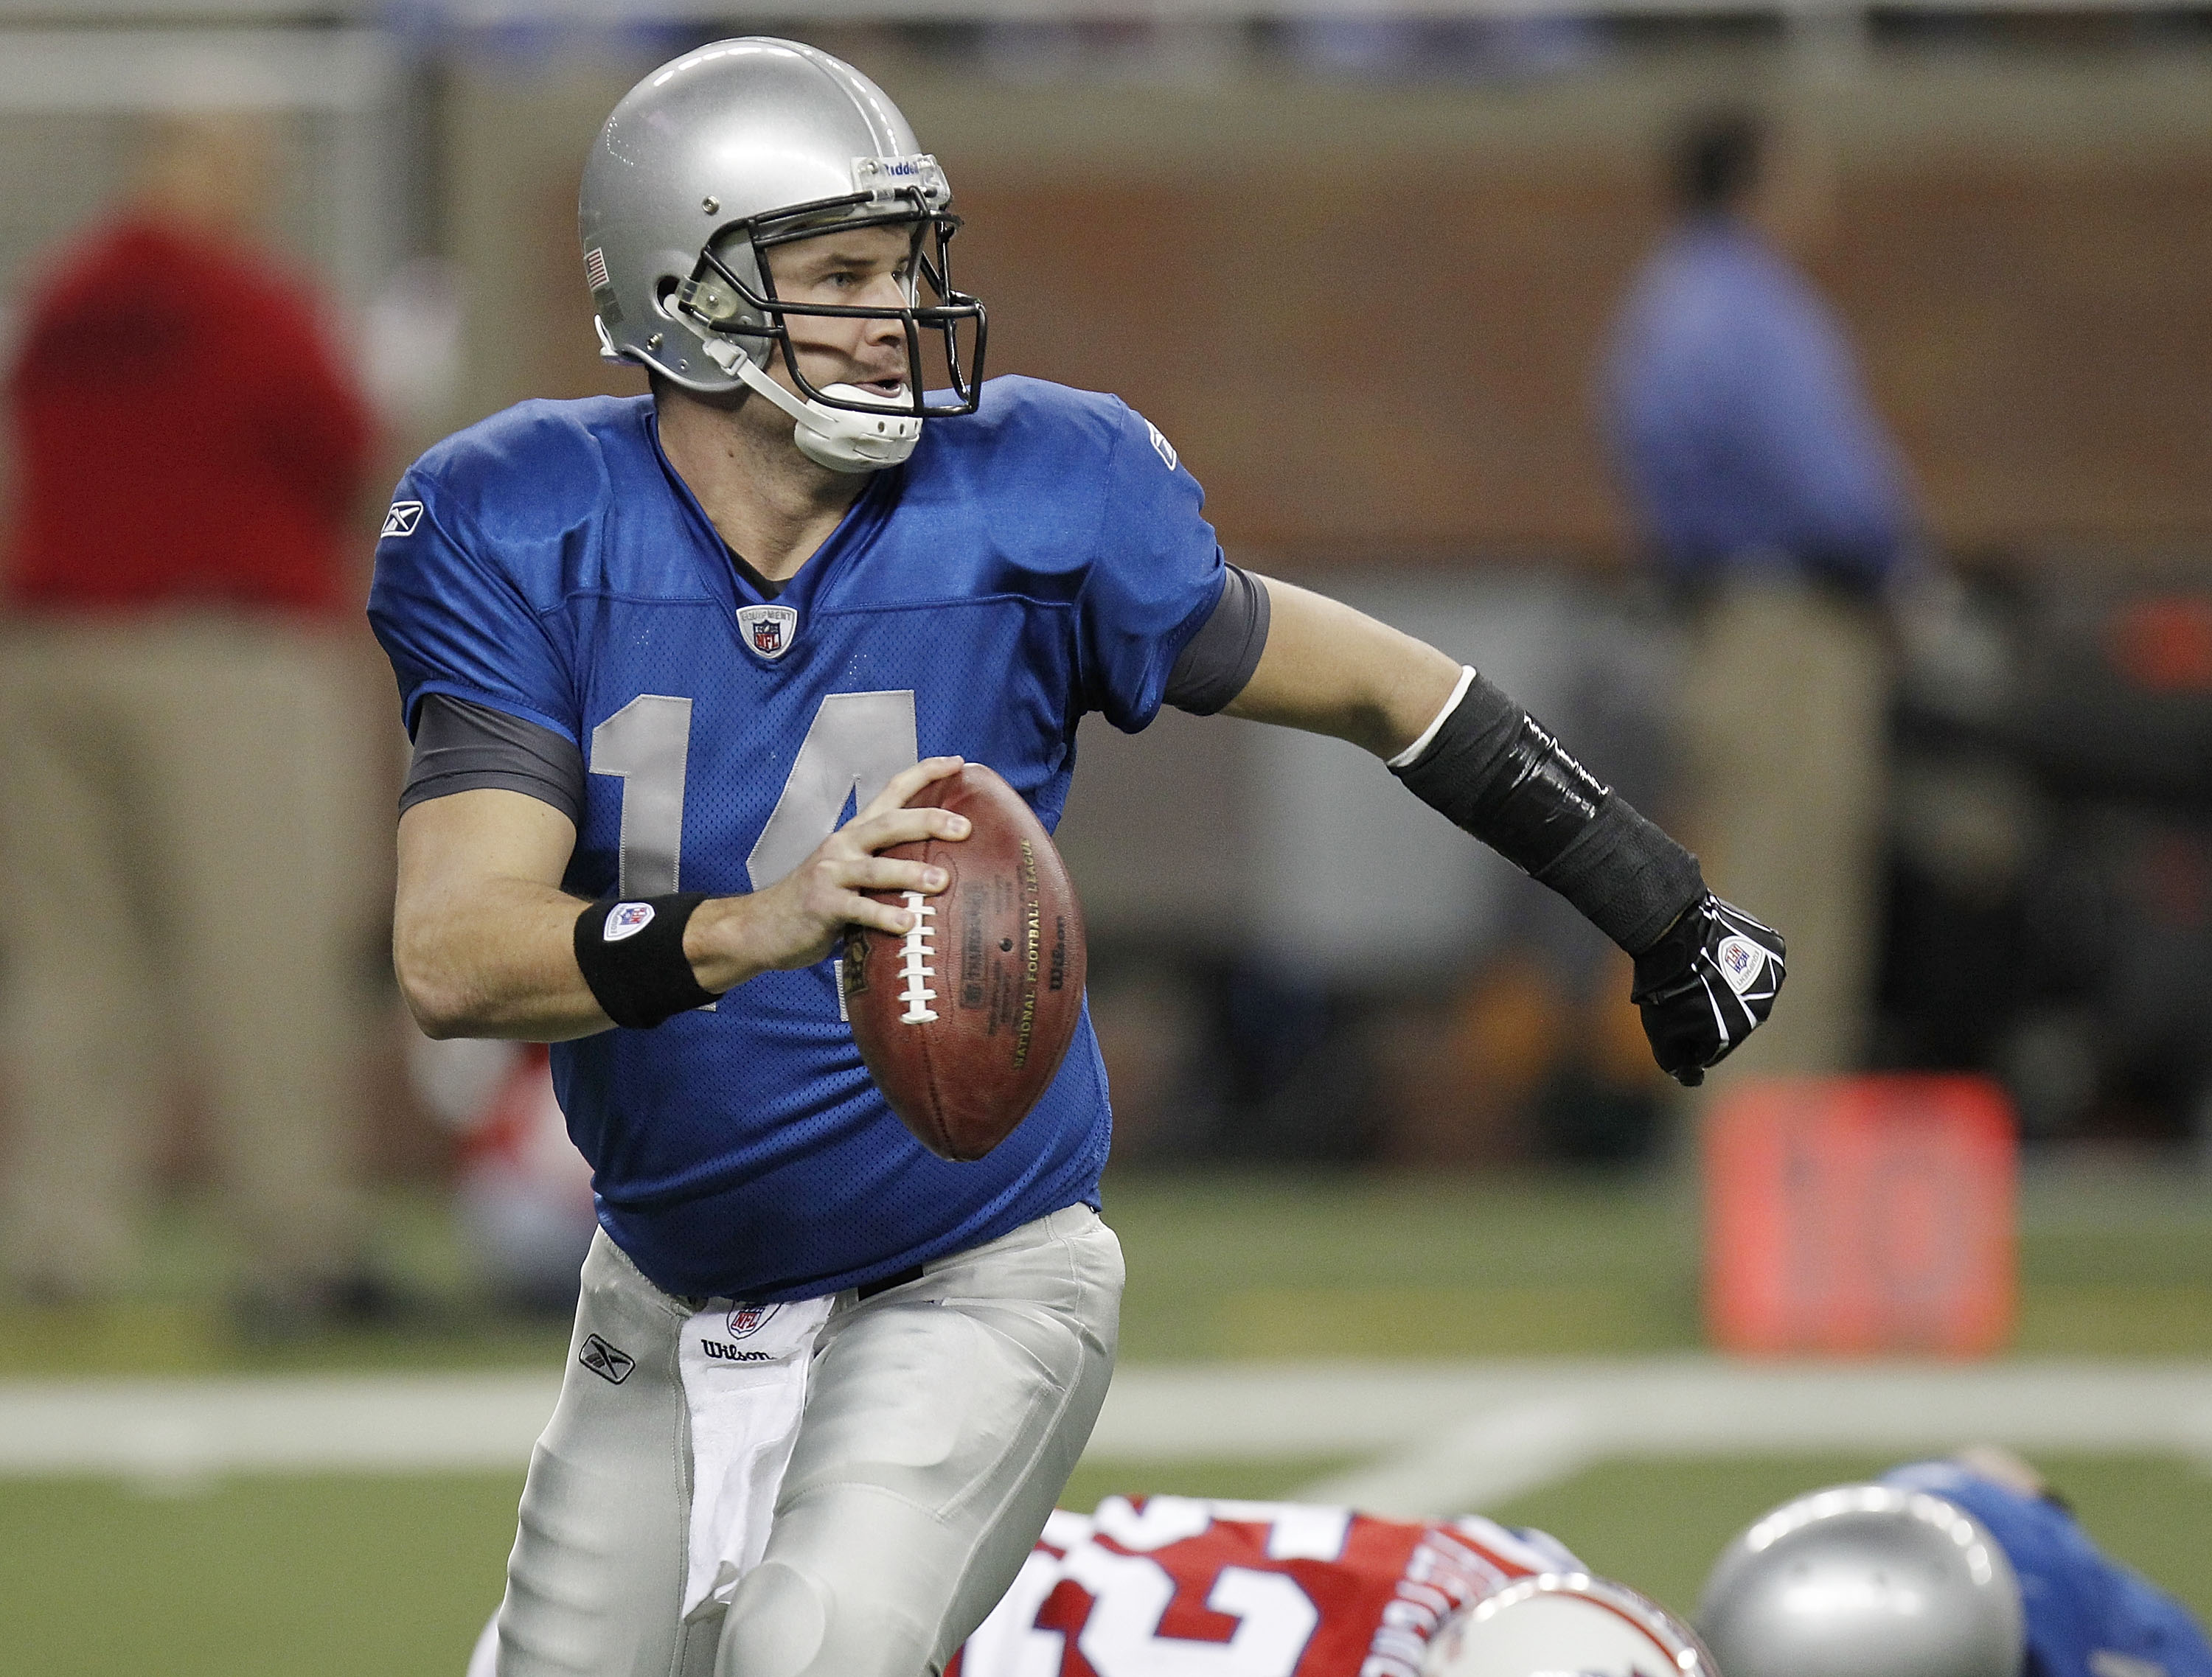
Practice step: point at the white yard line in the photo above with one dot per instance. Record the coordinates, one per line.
(1546, 1424)
(189, 1427)
(1476, 1463)
(1440, 1438)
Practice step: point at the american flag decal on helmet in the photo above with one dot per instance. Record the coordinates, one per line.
(595, 268)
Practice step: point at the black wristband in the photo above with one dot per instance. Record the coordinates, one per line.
(1494, 771)
(631, 953)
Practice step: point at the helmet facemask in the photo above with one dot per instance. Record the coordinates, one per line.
(731, 295)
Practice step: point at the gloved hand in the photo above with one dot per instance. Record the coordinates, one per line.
(1707, 984)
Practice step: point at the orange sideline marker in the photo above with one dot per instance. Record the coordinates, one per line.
(1862, 1215)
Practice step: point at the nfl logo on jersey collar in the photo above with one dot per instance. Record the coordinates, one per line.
(768, 630)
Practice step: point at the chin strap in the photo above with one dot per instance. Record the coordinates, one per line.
(836, 438)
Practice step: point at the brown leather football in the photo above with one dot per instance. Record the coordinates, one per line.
(963, 1021)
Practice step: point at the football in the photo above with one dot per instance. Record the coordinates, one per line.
(963, 1021)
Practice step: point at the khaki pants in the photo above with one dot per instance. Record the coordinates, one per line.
(1785, 705)
(184, 819)
(942, 1419)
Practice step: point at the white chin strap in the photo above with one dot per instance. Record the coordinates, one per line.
(836, 438)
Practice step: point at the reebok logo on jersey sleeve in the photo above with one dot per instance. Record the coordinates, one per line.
(402, 519)
(1162, 447)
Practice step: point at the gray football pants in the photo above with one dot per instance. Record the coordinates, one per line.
(942, 1419)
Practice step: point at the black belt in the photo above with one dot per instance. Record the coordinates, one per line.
(869, 1289)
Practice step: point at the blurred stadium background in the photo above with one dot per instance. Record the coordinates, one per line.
(1387, 1171)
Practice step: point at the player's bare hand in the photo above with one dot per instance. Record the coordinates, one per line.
(797, 920)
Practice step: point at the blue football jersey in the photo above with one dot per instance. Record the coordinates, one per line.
(2087, 1615)
(1042, 558)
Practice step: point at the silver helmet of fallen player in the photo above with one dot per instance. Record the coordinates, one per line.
(1864, 1580)
(1565, 1625)
(716, 158)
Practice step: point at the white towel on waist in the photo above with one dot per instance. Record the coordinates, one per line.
(744, 1382)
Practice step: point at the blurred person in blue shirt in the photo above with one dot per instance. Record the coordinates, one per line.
(1743, 429)
(1777, 512)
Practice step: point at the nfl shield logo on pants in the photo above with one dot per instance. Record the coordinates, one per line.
(768, 628)
(747, 1319)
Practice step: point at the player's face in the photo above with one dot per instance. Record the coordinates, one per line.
(864, 267)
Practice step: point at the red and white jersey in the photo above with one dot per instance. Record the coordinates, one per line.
(1176, 1586)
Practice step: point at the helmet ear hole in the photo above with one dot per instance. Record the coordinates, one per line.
(663, 294)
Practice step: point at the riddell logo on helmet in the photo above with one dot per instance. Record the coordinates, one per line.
(883, 176)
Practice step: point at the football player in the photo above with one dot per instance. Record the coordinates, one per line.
(1174, 1587)
(826, 1387)
(1966, 1568)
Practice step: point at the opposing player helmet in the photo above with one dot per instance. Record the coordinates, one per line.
(1565, 1625)
(1864, 1580)
(719, 156)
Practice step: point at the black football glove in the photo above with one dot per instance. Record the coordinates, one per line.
(1705, 986)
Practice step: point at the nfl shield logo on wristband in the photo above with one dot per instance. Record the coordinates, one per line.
(625, 918)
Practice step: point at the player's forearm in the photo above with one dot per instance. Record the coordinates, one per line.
(1329, 669)
(498, 960)
(503, 963)
(482, 936)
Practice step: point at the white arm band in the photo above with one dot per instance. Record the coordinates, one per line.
(1412, 754)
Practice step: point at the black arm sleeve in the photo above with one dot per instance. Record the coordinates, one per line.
(459, 747)
(1219, 660)
(1494, 771)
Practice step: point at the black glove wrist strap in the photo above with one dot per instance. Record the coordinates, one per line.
(630, 952)
(1492, 768)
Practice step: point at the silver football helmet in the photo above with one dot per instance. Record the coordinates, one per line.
(719, 156)
(1864, 1580)
(1565, 1625)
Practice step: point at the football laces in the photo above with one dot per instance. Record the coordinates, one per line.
(916, 956)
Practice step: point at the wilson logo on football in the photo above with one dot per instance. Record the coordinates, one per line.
(627, 920)
(402, 519)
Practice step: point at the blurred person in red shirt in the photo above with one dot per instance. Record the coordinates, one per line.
(182, 809)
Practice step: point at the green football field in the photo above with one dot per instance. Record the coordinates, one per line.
(338, 1573)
